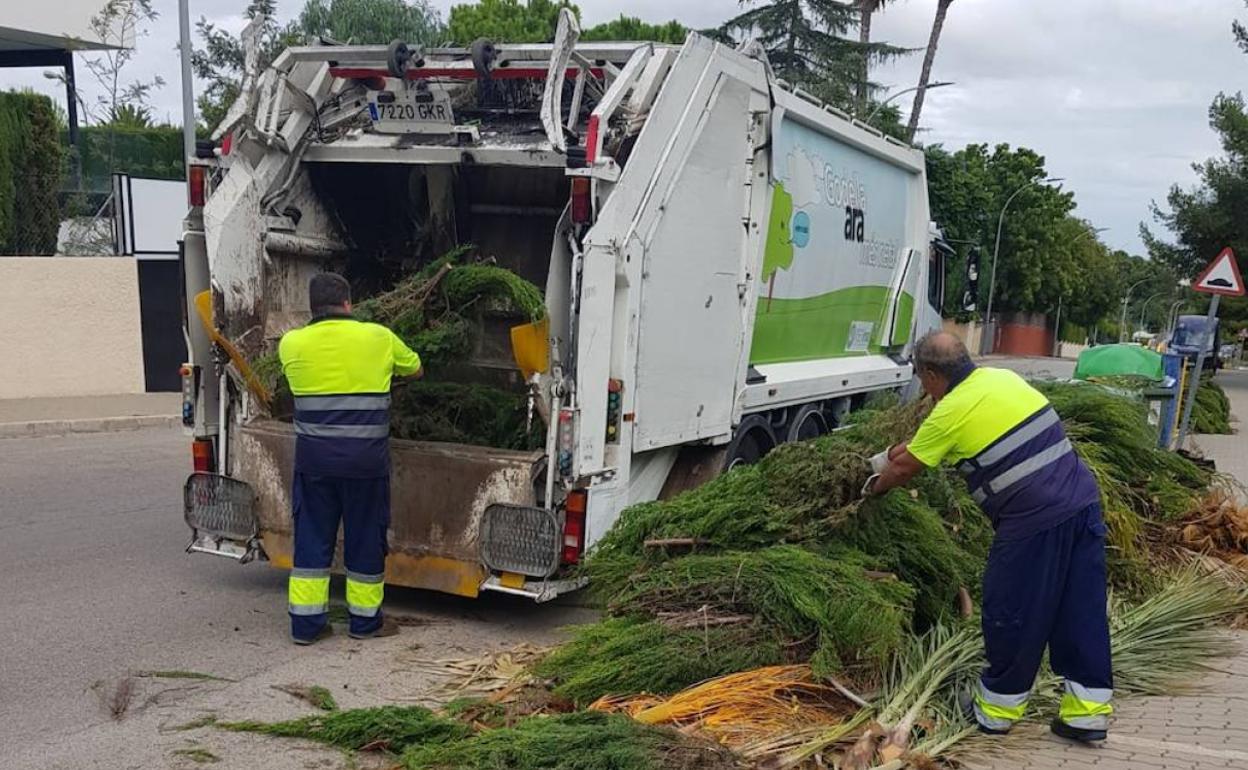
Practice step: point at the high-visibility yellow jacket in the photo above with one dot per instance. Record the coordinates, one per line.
(1009, 443)
(339, 370)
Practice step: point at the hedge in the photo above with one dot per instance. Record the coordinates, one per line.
(153, 151)
(32, 167)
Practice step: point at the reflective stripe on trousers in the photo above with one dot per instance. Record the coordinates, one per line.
(997, 711)
(1087, 708)
(308, 591)
(364, 594)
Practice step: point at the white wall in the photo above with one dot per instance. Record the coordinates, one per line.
(69, 326)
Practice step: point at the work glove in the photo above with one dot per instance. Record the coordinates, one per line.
(880, 462)
(868, 488)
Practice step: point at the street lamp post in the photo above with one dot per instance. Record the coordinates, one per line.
(188, 85)
(903, 92)
(1144, 309)
(990, 330)
(1172, 318)
(1122, 324)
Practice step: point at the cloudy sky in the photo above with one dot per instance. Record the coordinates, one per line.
(1113, 92)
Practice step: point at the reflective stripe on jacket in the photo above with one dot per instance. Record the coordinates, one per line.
(339, 370)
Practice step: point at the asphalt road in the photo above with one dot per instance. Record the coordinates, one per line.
(96, 581)
(97, 587)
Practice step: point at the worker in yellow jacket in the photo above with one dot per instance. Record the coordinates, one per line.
(340, 370)
(1045, 583)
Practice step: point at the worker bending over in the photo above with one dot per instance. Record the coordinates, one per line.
(1045, 583)
(339, 370)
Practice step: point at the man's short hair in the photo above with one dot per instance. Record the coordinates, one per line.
(328, 292)
(942, 354)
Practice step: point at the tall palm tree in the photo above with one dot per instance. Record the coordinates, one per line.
(925, 77)
(866, 10)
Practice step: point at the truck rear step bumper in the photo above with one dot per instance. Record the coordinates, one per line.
(537, 590)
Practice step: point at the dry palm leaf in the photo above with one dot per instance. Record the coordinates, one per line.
(485, 674)
(743, 708)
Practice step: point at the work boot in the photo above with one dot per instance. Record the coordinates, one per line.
(325, 632)
(388, 627)
(1081, 734)
(966, 702)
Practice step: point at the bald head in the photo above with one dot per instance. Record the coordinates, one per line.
(940, 358)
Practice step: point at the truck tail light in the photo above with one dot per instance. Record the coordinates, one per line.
(591, 140)
(190, 384)
(195, 184)
(574, 526)
(201, 455)
(567, 441)
(582, 206)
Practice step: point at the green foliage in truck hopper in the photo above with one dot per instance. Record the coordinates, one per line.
(436, 312)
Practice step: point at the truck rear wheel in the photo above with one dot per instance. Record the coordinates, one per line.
(807, 423)
(752, 439)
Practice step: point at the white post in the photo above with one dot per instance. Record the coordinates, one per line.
(1057, 330)
(188, 85)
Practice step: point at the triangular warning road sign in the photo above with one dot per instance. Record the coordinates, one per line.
(1221, 277)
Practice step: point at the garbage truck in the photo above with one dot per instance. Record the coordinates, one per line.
(727, 264)
(1191, 334)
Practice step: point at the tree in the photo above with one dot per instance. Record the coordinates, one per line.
(866, 10)
(632, 28)
(119, 24)
(364, 22)
(131, 117)
(929, 59)
(220, 60)
(806, 45)
(1213, 214)
(968, 189)
(506, 20)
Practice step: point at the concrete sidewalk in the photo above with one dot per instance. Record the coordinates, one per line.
(1205, 729)
(29, 417)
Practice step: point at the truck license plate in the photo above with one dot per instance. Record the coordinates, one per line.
(411, 111)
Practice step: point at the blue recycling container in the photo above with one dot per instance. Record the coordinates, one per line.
(1172, 365)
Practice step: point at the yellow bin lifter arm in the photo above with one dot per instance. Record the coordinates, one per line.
(203, 304)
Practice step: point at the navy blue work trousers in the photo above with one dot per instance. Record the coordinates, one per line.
(363, 507)
(1048, 589)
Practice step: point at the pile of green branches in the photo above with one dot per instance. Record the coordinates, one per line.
(419, 739)
(780, 562)
(436, 309)
(786, 546)
(1212, 411)
(1159, 644)
(437, 312)
(463, 413)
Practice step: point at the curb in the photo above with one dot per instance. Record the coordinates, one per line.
(40, 428)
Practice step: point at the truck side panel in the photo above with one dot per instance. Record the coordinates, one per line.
(838, 234)
(690, 323)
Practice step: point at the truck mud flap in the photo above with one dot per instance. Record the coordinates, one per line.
(221, 514)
